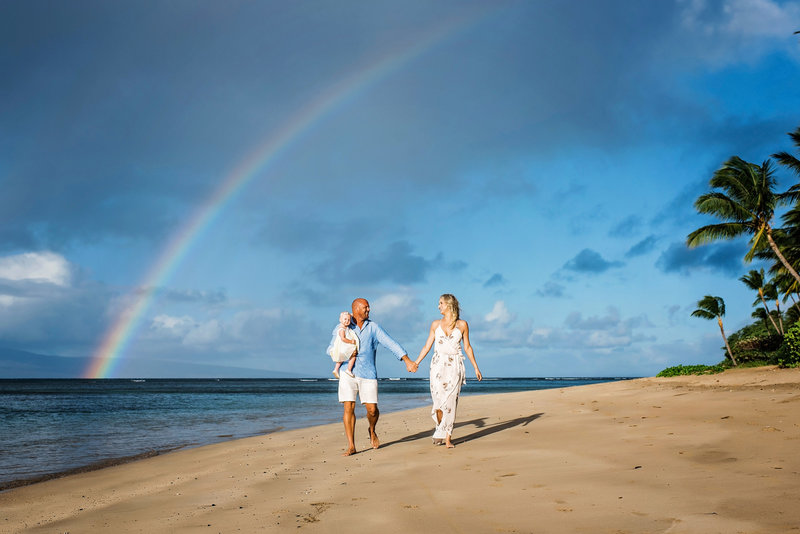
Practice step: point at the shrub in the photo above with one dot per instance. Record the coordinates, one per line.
(681, 370)
(789, 354)
(756, 347)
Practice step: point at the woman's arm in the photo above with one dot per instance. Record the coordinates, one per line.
(428, 344)
(468, 349)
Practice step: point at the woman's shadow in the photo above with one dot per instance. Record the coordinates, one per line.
(480, 424)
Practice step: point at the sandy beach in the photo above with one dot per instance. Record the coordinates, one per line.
(706, 454)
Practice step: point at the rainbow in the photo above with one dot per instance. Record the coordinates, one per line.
(107, 356)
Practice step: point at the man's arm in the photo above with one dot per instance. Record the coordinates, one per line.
(399, 352)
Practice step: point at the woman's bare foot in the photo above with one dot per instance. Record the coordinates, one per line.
(449, 444)
(349, 452)
(336, 373)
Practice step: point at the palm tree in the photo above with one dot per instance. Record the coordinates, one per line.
(771, 292)
(759, 313)
(789, 239)
(786, 159)
(714, 308)
(746, 203)
(787, 287)
(755, 281)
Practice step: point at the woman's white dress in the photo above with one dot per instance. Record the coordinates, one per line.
(447, 377)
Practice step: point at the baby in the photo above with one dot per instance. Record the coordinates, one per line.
(345, 347)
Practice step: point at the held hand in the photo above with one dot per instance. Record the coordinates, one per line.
(411, 367)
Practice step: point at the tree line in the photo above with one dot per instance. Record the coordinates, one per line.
(744, 198)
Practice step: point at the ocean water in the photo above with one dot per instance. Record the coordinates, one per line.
(52, 426)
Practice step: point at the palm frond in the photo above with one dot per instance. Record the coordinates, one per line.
(715, 232)
(758, 244)
(703, 314)
(722, 207)
(710, 307)
(754, 279)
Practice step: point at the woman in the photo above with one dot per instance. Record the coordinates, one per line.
(447, 366)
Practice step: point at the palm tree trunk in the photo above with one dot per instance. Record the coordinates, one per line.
(725, 339)
(766, 308)
(780, 317)
(780, 256)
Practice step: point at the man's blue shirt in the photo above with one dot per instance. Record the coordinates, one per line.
(368, 338)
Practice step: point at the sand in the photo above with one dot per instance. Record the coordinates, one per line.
(707, 454)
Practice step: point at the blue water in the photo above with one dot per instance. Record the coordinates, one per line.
(50, 426)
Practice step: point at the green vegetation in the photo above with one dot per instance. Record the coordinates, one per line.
(789, 353)
(744, 199)
(682, 370)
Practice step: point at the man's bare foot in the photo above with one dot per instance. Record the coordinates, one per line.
(373, 438)
(349, 452)
(336, 373)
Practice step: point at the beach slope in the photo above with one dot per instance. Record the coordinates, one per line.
(716, 453)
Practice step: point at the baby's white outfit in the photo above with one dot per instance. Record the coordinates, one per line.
(341, 351)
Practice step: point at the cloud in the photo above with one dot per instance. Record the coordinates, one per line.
(44, 267)
(642, 247)
(498, 327)
(195, 296)
(733, 30)
(495, 280)
(589, 261)
(397, 263)
(45, 306)
(724, 258)
(628, 227)
(403, 314)
(605, 332)
(551, 289)
(499, 313)
(249, 338)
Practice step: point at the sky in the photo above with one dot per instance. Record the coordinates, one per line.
(211, 183)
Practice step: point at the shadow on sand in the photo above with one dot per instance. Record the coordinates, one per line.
(480, 424)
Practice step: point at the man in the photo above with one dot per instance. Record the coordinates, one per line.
(365, 380)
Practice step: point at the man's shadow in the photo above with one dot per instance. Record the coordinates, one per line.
(479, 423)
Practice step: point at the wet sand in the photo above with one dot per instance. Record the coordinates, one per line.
(716, 453)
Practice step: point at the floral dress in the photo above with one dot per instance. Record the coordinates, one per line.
(447, 377)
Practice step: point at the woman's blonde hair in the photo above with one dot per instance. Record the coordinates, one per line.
(452, 304)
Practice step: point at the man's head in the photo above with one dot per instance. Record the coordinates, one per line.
(360, 310)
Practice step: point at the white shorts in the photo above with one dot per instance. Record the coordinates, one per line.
(367, 389)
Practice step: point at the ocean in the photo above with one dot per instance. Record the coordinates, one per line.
(49, 427)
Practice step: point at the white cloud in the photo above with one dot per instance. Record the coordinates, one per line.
(402, 314)
(760, 18)
(394, 303)
(204, 334)
(187, 330)
(732, 31)
(172, 326)
(499, 313)
(44, 267)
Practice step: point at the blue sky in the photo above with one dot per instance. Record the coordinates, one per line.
(539, 160)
